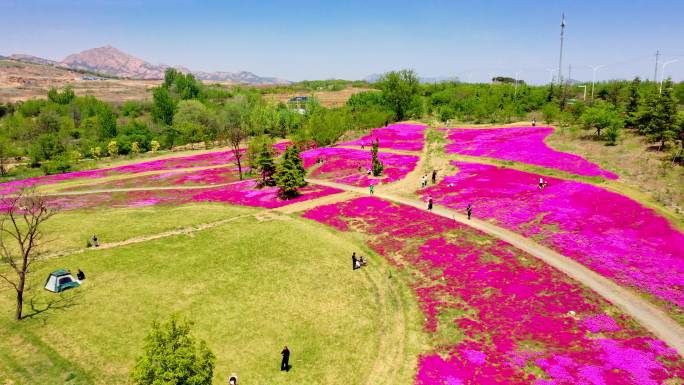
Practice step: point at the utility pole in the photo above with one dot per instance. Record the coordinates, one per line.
(655, 72)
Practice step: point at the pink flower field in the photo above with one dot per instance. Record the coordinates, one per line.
(408, 137)
(200, 160)
(609, 233)
(212, 176)
(342, 165)
(520, 144)
(242, 193)
(498, 316)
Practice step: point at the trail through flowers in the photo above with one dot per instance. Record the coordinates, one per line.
(610, 233)
(497, 315)
(520, 144)
(243, 193)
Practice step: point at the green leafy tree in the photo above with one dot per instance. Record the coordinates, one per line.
(170, 77)
(65, 97)
(45, 147)
(399, 89)
(106, 121)
(325, 126)
(602, 116)
(132, 109)
(48, 121)
(194, 121)
(172, 356)
(290, 173)
(7, 151)
(377, 164)
(163, 106)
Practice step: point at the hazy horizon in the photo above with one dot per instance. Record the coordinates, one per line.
(310, 40)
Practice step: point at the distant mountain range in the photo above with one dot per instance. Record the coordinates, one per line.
(111, 61)
(435, 79)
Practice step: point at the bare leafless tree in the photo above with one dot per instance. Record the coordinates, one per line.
(231, 126)
(21, 217)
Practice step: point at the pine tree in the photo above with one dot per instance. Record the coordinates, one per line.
(289, 175)
(266, 166)
(632, 107)
(658, 115)
(377, 165)
(667, 110)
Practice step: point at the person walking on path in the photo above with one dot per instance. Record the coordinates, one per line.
(430, 203)
(354, 261)
(469, 210)
(95, 243)
(534, 122)
(371, 188)
(285, 363)
(434, 176)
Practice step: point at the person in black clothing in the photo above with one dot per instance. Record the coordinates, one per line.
(80, 275)
(434, 176)
(354, 261)
(285, 364)
(469, 210)
(233, 379)
(430, 203)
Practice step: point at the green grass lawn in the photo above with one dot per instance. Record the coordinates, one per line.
(250, 286)
(71, 229)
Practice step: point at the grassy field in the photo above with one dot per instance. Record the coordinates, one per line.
(250, 286)
(71, 229)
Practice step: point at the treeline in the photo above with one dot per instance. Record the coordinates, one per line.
(645, 107)
(315, 85)
(56, 135)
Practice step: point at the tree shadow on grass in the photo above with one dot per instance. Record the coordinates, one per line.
(41, 308)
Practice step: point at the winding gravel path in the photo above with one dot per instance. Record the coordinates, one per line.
(651, 317)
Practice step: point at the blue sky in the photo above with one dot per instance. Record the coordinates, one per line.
(351, 39)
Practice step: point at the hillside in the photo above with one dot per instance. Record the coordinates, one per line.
(112, 61)
(21, 81)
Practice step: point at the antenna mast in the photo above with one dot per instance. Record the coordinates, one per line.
(560, 59)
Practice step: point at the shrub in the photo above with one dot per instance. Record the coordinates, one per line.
(446, 112)
(113, 148)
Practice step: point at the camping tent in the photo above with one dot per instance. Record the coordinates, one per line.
(60, 280)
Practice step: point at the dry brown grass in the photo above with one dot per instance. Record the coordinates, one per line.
(326, 98)
(22, 81)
